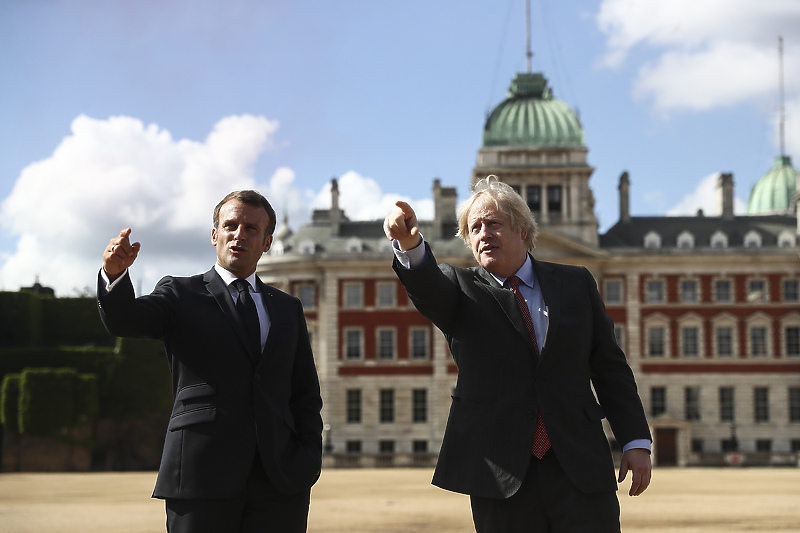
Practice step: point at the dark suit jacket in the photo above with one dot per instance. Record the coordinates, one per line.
(228, 401)
(487, 442)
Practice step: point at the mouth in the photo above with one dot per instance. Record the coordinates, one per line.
(487, 249)
(237, 250)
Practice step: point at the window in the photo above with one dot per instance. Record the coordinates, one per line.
(697, 445)
(685, 240)
(353, 344)
(724, 337)
(354, 406)
(691, 396)
(758, 341)
(420, 446)
(791, 290)
(658, 401)
(652, 240)
(419, 343)
(386, 343)
(690, 341)
(727, 410)
(792, 341)
(554, 201)
(723, 293)
(354, 245)
(613, 291)
(353, 295)
(353, 446)
(752, 239)
(386, 446)
(763, 445)
(533, 195)
(419, 408)
(654, 291)
(386, 406)
(689, 291)
(719, 240)
(786, 239)
(756, 291)
(794, 404)
(308, 295)
(761, 404)
(386, 294)
(656, 341)
(795, 445)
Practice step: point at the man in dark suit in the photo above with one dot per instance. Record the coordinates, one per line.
(524, 437)
(244, 442)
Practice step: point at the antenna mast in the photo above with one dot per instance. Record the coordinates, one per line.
(528, 52)
(782, 107)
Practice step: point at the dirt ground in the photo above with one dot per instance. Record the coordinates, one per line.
(685, 500)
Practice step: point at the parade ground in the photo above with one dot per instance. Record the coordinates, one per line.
(685, 500)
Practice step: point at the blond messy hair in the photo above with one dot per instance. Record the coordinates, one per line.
(493, 192)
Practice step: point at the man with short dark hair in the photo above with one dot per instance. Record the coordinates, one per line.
(244, 442)
(533, 345)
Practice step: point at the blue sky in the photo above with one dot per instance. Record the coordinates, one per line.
(144, 114)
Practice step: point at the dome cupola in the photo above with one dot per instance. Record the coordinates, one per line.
(530, 116)
(772, 194)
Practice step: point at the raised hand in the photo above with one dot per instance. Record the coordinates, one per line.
(120, 254)
(401, 226)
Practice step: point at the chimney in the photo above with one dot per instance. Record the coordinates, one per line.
(444, 208)
(725, 196)
(335, 213)
(624, 198)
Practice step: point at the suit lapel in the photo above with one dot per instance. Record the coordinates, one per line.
(551, 287)
(222, 295)
(508, 303)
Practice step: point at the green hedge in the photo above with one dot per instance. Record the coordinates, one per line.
(21, 316)
(9, 401)
(54, 399)
(73, 321)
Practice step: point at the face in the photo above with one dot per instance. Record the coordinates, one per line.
(240, 237)
(497, 247)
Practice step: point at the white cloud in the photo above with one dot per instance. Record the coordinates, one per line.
(116, 173)
(708, 54)
(363, 199)
(705, 197)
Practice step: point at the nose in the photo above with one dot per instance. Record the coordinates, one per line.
(485, 232)
(239, 233)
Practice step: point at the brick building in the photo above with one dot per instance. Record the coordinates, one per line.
(707, 308)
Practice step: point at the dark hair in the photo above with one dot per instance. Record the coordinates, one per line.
(253, 198)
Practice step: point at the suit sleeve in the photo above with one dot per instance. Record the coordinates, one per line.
(124, 315)
(612, 377)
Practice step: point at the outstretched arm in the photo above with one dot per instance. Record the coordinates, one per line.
(401, 226)
(119, 255)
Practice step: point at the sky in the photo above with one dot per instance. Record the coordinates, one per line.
(144, 114)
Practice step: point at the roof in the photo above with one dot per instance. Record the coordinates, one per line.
(773, 192)
(531, 116)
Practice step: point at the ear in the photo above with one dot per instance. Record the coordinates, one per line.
(214, 236)
(524, 234)
(267, 244)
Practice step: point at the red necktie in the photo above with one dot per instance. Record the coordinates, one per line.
(541, 442)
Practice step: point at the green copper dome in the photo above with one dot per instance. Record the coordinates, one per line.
(773, 192)
(530, 116)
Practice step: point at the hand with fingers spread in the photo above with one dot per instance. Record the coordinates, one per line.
(401, 226)
(637, 460)
(120, 254)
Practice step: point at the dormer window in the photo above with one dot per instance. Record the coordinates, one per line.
(652, 240)
(786, 239)
(355, 245)
(307, 247)
(752, 239)
(719, 240)
(685, 240)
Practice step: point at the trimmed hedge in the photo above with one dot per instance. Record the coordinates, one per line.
(54, 399)
(9, 401)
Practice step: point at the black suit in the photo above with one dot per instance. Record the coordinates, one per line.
(229, 402)
(486, 449)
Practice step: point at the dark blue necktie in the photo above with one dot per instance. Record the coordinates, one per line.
(246, 308)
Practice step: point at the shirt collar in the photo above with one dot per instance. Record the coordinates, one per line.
(525, 274)
(229, 278)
